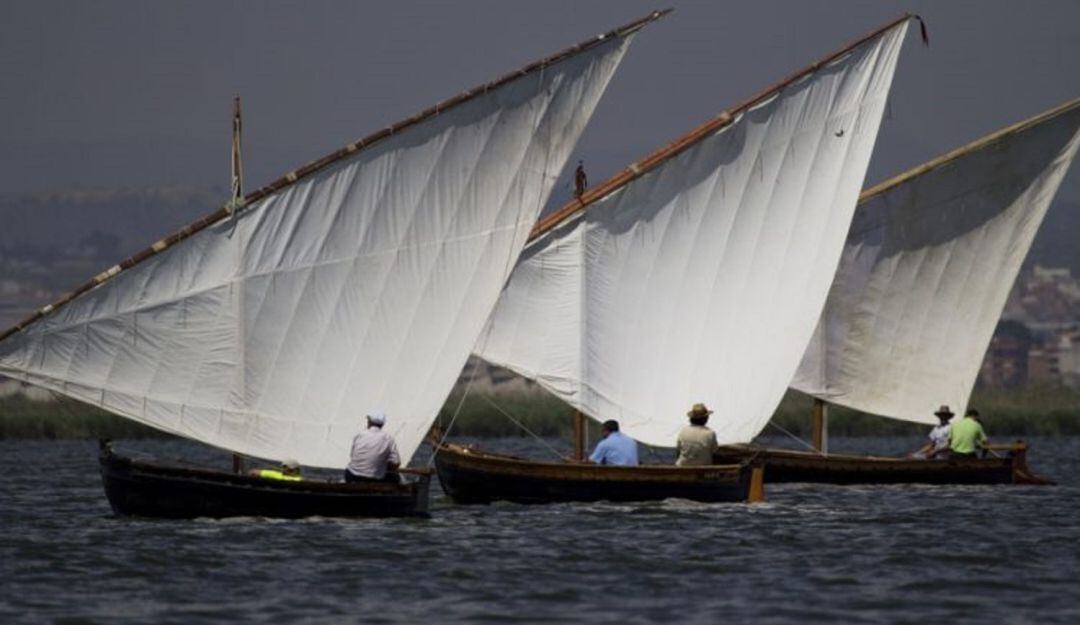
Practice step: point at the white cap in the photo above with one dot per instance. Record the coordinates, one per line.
(377, 417)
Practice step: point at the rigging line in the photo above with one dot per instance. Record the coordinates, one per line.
(67, 406)
(453, 419)
(654, 454)
(64, 407)
(521, 425)
(511, 258)
(796, 438)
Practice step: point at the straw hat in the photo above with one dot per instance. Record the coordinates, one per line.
(699, 410)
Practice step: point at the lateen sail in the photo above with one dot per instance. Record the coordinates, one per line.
(358, 282)
(700, 279)
(927, 268)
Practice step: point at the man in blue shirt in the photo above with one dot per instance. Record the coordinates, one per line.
(615, 448)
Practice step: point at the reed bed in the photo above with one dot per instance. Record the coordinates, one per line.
(1024, 412)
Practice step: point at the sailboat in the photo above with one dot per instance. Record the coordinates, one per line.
(357, 282)
(926, 271)
(694, 275)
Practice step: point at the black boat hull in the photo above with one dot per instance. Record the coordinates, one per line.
(782, 465)
(138, 488)
(472, 476)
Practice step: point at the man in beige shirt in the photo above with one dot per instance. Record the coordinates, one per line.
(696, 443)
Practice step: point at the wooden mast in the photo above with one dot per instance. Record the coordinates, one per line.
(237, 163)
(820, 426)
(579, 436)
(236, 200)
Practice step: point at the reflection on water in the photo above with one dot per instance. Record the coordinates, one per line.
(812, 553)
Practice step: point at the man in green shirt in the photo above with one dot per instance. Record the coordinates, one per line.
(966, 437)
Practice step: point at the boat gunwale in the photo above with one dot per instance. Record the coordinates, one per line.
(142, 469)
(572, 471)
(798, 454)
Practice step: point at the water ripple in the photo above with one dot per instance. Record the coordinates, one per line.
(810, 554)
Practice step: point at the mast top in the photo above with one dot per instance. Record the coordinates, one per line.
(724, 118)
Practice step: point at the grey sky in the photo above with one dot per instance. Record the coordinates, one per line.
(106, 94)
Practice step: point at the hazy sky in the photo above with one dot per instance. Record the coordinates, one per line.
(105, 94)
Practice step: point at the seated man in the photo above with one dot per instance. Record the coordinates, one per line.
(967, 438)
(290, 472)
(374, 456)
(615, 448)
(696, 443)
(938, 447)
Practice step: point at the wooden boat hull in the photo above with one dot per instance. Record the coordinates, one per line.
(472, 476)
(139, 488)
(782, 465)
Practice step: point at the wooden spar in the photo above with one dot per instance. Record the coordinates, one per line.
(978, 144)
(293, 177)
(820, 426)
(579, 436)
(237, 165)
(679, 145)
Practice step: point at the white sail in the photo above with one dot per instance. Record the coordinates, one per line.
(359, 284)
(701, 279)
(928, 265)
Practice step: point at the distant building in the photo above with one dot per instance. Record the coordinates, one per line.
(1037, 342)
(1045, 298)
(1043, 366)
(488, 378)
(1068, 357)
(1007, 359)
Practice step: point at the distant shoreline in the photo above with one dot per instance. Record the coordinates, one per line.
(1030, 412)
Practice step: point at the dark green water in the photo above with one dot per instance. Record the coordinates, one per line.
(811, 554)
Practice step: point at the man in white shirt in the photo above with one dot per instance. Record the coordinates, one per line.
(938, 447)
(374, 456)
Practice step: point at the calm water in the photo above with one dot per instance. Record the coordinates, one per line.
(897, 554)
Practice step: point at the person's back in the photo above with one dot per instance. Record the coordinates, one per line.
(967, 436)
(616, 448)
(374, 454)
(695, 445)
